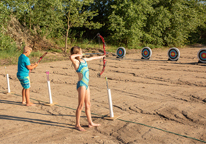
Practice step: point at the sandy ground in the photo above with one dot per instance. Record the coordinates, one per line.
(168, 96)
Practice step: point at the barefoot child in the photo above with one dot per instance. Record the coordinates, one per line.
(80, 65)
(23, 74)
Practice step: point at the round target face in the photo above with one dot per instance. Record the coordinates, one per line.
(121, 52)
(146, 53)
(173, 54)
(202, 55)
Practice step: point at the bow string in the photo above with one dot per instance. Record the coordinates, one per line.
(104, 60)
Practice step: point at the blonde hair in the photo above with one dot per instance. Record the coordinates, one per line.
(27, 48)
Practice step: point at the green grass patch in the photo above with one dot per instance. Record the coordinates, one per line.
(55, 50)
(35, 54)
(6, 55)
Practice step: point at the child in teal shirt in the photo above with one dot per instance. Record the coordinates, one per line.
(23, 74)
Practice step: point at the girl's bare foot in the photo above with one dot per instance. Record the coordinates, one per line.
(23, 103)
(30, 104)
(80, 128)
(93, 125)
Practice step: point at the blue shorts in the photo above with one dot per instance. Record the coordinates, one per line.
(25, 81)
(81, 83)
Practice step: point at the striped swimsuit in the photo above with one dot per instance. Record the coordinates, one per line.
(83, 69)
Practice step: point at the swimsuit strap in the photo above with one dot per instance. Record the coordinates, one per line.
(84, 60)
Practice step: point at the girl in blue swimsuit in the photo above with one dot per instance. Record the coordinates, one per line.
(81, 67)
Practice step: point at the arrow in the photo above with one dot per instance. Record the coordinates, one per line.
(94, 53)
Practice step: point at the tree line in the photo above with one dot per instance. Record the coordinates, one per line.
(130, 23)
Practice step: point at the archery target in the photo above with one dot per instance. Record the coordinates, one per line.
(202, 55)
(146, 53)
(173, 54)
(121, 52)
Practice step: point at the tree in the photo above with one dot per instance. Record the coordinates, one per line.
(6, 43)
(156, 22)
(4, 14)
(172, 21)
(37, 15)
(77, 16)
(128, 19)
(104, 11)
(48, 18)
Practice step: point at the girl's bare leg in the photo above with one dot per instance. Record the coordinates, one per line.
(87, 109)
(81, 95)
(23, 96)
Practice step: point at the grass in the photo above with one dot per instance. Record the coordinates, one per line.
(11, 57)
(35, 54)
(55, 50)
(6, 55)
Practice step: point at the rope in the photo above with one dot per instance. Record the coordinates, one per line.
(163, 130)
(127, 121)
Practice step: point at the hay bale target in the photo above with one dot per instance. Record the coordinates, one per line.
(121, 52)
(173, 54)
(202, 55)
(146, 53)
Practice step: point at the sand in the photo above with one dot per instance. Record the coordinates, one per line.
(154, 97)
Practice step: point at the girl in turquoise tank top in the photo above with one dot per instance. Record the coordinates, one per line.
(81, 67)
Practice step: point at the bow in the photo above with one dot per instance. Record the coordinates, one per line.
(104, 61)
(42, 57)
(39, 60)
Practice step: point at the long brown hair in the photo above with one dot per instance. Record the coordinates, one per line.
(75, 50)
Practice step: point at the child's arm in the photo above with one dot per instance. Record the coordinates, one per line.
(94, 58)
(72, 57)
(74, 61)
(32, 66)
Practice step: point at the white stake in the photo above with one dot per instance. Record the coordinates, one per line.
(49, 91)
(7, 78)
(110, 103)
(111, 116)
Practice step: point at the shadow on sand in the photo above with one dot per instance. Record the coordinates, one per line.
(36, 121)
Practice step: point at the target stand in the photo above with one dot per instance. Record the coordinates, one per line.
(121, 52)
(146, 53)
(202, 55)
(173, 54)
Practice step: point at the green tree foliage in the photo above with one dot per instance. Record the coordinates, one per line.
(104, 11)
(77, 15)
(172, 21)
(4, 14)
(48, 18)
(199, 34)
(128, 20)
(41, 17)
(6, 43)
(131, 23)
(157, 22)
